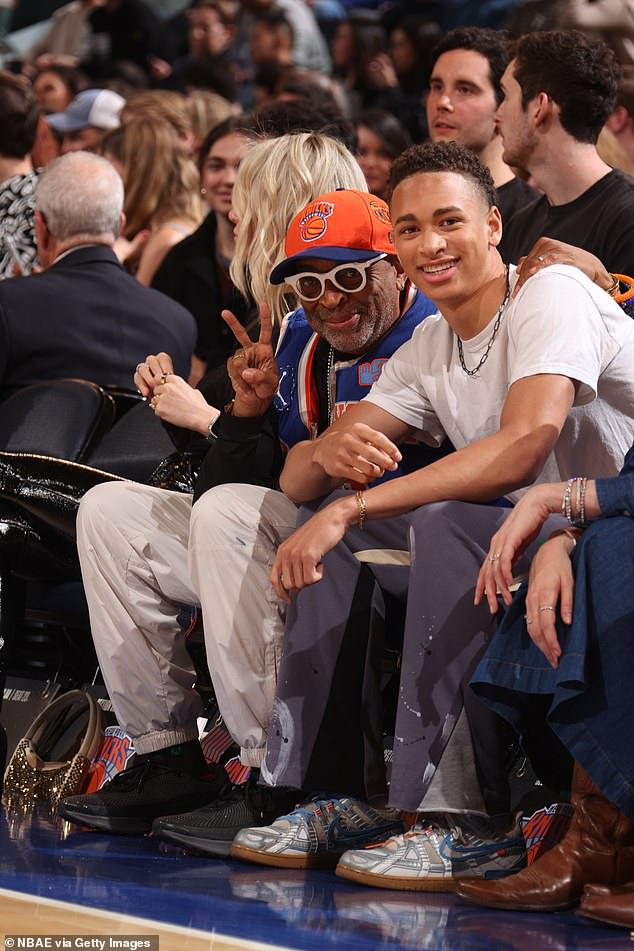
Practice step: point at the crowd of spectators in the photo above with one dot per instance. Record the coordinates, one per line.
(504, 154)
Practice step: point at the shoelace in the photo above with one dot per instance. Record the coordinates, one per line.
(262, 798)
(135, 776)
(431, 825)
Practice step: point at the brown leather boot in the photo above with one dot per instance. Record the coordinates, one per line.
(594, 889)
(598, 847)
(614, 907)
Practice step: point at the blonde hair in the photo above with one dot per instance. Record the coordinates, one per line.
(160, 104)
(612, 152)
(206, 110)
(276, 178)
(161, 181)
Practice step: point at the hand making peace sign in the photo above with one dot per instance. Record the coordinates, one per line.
(252, 369)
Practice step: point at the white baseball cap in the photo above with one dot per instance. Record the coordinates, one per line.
(99, 108)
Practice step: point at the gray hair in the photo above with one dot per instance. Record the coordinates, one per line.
(80, 195)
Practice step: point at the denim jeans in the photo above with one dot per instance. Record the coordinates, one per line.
(587, 701)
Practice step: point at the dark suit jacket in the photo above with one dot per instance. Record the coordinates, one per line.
(87, 317)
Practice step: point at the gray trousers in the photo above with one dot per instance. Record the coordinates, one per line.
(444, 637)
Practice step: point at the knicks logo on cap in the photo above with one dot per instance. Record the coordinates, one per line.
(313, 223)
(381, 212)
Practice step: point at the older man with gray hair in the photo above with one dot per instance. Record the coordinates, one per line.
(84, 316)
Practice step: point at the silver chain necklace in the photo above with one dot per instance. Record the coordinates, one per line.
(329, 369)
(496, 327)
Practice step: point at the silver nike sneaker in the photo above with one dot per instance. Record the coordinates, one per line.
(316, 833)
(436, 853)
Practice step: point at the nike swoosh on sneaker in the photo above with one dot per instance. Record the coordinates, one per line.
(458, 855)
(343, 839)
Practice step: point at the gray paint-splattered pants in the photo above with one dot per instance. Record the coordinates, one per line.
(444, 637)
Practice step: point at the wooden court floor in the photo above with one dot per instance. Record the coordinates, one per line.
(56, 880)
(24, 914)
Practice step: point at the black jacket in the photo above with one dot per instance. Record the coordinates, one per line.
(86, 317)
(188, 274)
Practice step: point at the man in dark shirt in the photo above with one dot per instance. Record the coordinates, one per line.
(559, 89)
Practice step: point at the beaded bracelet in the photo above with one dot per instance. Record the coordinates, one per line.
(579, 483)
(581, 499)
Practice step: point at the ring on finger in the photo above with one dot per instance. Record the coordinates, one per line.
(164, 376)
(540, 258)
(528, 620)
(139, 365)
(546, 607)
(494, 558)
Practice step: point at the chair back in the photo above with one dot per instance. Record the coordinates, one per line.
(134, 446)
(60, 418)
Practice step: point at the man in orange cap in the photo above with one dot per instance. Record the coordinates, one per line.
(158, 554)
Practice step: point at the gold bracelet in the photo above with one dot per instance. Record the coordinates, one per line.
(362, 509)
(569, 533)
(616, 287)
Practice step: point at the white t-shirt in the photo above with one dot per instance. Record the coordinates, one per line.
(559, 323)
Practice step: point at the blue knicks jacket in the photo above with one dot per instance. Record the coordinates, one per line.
(297, 400)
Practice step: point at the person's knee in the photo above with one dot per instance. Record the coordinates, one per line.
(217, 510)
(434, 519)
(99, 506)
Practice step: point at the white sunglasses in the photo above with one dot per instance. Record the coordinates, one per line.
(351, 277)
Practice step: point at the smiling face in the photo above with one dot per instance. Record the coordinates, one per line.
(219, 171)
(461, 103)
(445, 234)
(353, 322)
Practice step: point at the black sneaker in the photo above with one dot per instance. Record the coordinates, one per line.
(213, 828)
(135, 797)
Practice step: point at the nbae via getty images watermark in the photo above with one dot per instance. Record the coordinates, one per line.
(82, 942)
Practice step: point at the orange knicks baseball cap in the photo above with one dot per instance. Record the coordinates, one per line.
(345, 225)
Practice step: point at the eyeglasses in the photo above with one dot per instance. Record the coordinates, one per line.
(309, 285)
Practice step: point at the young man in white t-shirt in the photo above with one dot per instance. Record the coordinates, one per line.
(535, 387)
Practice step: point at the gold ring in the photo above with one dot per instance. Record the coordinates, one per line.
(546, 607)
(164, 376)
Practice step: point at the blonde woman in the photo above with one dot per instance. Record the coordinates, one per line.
(162, 192)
